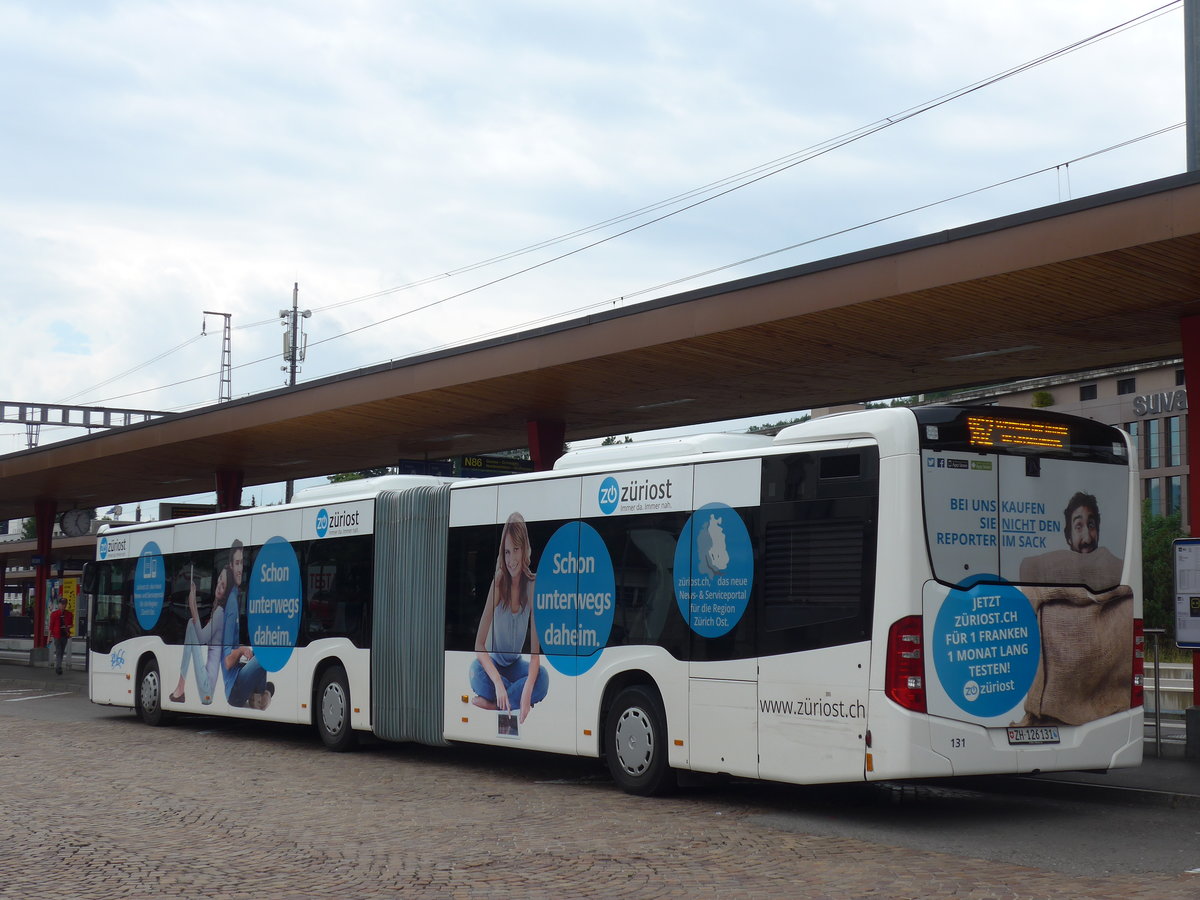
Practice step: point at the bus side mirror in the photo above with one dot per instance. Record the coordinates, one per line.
(90, 577)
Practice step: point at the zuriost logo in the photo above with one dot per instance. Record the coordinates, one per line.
(340, 521)
(636, 494)
(112, 546)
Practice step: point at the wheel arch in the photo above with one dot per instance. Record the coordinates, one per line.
(323, 665)
(613, 688)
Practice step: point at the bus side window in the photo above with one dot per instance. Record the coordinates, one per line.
(643, 555)
(818, 545)
(338, 589)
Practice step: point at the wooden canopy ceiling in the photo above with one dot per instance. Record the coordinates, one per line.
(1090, 283)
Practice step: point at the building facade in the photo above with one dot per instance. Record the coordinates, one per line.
(1149, 401)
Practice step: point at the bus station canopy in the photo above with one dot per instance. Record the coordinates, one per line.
(1090, 283)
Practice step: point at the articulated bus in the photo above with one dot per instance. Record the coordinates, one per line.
(884, 594)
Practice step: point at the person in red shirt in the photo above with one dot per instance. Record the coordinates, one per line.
(61, 621)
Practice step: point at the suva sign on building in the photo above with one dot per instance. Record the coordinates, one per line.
(1157, 404)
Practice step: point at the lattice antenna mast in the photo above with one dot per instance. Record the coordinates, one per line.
(225, 392)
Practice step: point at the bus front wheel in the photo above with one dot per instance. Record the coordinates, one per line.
(333, 710)
(149, 694)
(635, 743)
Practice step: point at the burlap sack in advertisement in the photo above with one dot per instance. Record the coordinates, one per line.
(1086, 665)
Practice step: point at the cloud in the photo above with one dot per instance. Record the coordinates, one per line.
(164, 159)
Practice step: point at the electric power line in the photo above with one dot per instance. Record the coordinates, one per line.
(609, 302)
(706, 193)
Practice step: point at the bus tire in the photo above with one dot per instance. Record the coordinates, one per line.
(150, 694)
(635, 743)
(333, 711)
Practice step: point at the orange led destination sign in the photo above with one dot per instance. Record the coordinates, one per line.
(990, 431)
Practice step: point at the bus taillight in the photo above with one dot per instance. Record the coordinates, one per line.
(1138, 695)
(904, 679)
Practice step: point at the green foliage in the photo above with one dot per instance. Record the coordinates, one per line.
(777, 426)
(1042, 399)
(355, 476)
(1158, 575)
(914, 400)
(28, 530)
(614, 440)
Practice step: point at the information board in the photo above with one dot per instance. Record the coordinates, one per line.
(1186, 556)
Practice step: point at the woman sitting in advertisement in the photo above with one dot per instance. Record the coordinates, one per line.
(500, 677)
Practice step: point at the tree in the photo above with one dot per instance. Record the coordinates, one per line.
(776, 427)
(355, 476)
(28, 530)
(1042, 399)
(614, 440)
(1158, 573)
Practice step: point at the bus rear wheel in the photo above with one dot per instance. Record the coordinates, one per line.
(635, 743)
(149, 694)
(333, 711)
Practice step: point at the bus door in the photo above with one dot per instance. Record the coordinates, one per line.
(714, 575)
(817, 558)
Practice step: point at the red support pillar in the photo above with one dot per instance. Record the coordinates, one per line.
(43, 521)
(546, 439)
(1189, 331)
(229, 490)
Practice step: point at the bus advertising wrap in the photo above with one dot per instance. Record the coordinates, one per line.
(1032, 623)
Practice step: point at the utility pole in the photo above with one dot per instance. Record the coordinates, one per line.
(225, 391)
(295, 344)
(1191, 78)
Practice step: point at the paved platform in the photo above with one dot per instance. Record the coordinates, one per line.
(1171, 780)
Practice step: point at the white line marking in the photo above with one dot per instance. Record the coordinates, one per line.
(37, 697)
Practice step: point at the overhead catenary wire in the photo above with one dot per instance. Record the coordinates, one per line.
(744, 261)
(132, 370)
(689, 200)
(739, 180)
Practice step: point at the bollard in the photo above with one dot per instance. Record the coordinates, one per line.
(1192, 720)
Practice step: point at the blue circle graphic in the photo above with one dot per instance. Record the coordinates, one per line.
(149, 585)
(322, 522)
(103, 548)
(273, 611)
(986, 647)
(609, 495)
(574, 596)
(714, 570)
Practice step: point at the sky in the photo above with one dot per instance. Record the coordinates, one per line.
(161, 159)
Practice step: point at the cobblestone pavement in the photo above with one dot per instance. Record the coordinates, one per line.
(212, 810)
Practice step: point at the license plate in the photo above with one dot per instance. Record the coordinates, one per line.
(1046, 734)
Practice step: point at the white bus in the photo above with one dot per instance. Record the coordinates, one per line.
(883, 594)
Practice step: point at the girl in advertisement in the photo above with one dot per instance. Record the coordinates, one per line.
(202, 646)
(501, 677)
